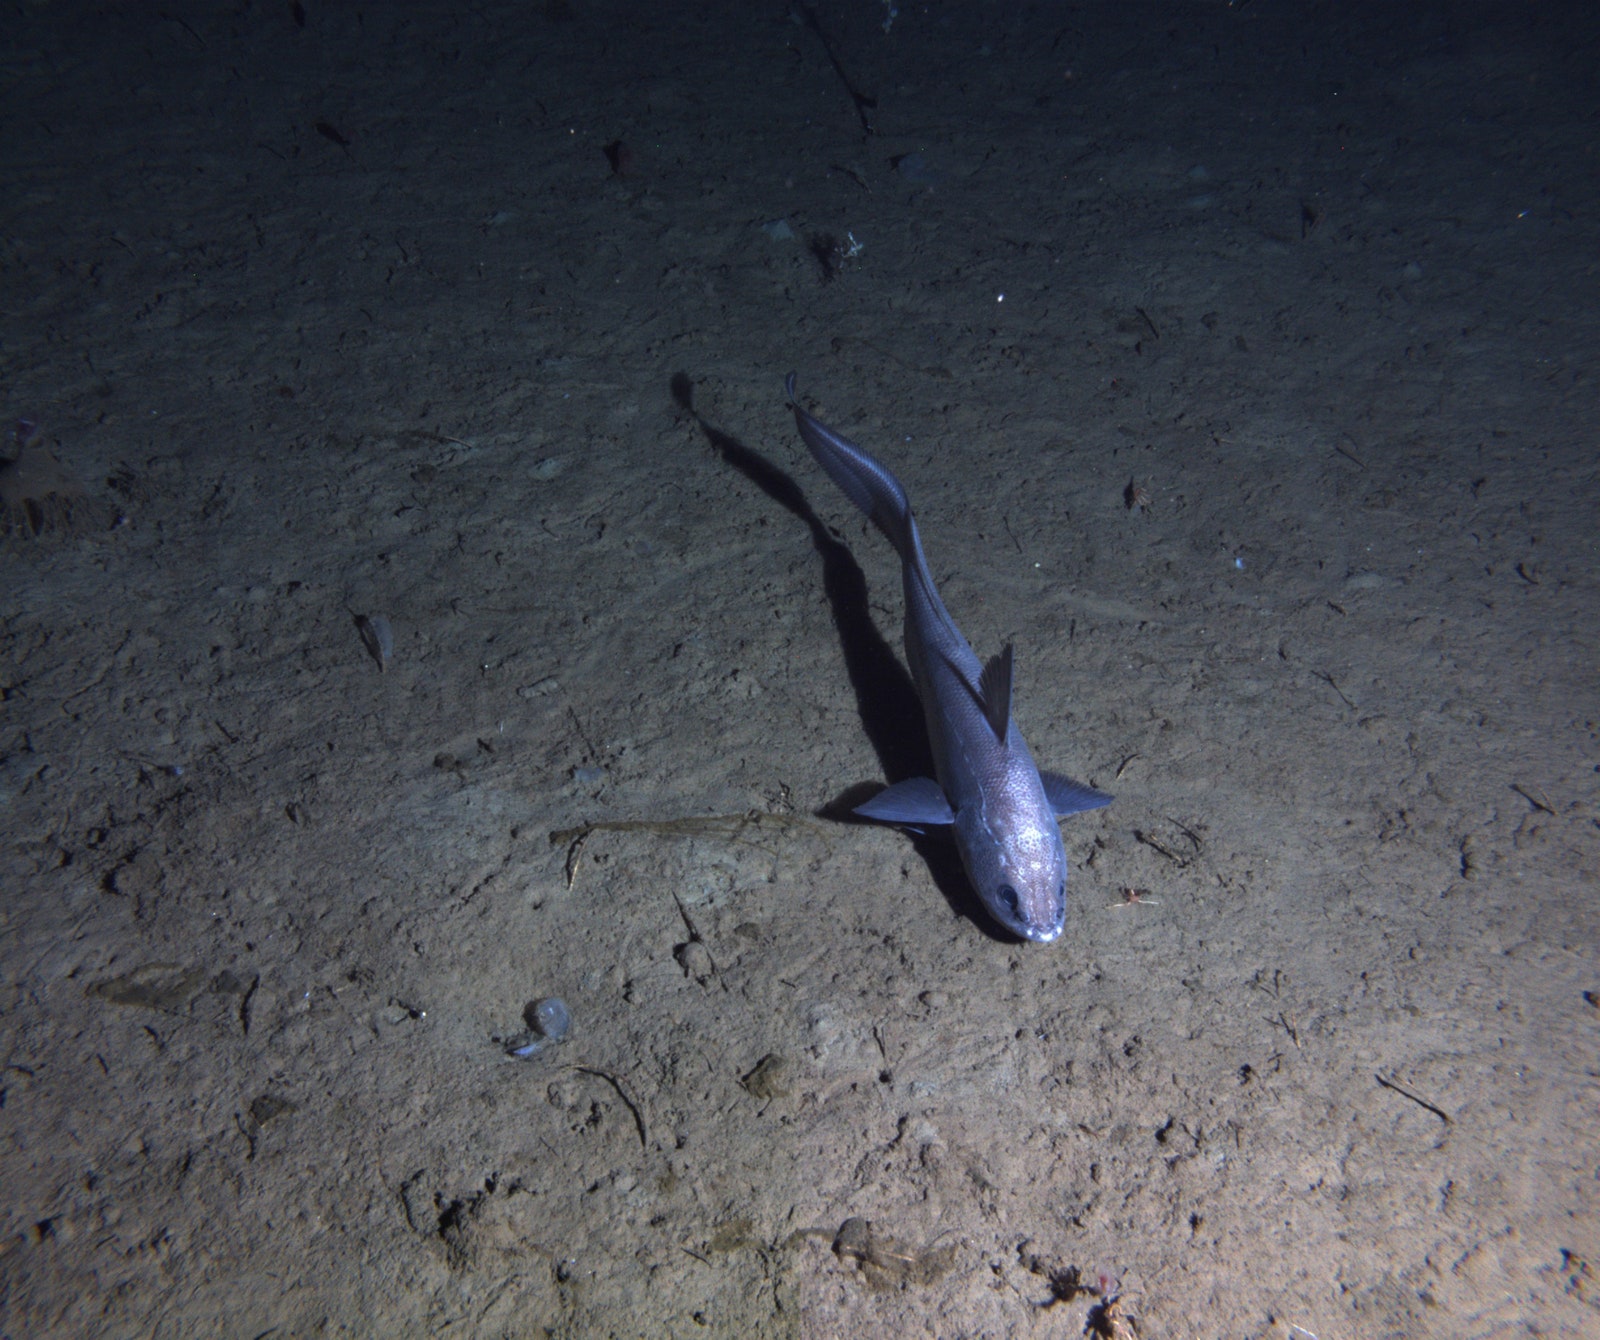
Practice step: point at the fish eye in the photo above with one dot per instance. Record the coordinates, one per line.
(1008, 897)
(1061, 899)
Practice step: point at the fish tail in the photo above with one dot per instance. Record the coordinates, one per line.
(865, 481)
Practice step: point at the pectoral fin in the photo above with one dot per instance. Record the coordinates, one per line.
(1069, 797)
(918, 801)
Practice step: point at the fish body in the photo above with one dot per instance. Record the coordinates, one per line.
(1002, 808)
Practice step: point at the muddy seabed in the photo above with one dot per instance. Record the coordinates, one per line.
(1239, 361)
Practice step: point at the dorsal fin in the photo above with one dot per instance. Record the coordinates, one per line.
(994, 688)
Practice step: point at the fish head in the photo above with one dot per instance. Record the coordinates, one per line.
(1015, 860)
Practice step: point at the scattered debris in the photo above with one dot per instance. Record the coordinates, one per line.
(832, 254)
(886, 1263)
(377, 637)
(1108, 1318)
(627, 1098)
(805, 14)
(770, 1078)
(1534, 797)
(1420, 1102)
(1131, 897)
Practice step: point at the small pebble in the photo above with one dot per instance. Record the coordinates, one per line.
(378, 638)
(551, 1018)
(548, 1020)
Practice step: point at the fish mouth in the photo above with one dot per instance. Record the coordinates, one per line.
(1042, 935)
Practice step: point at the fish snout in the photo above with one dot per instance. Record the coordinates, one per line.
(1044, 933)
(1022, 880)
(1040, 915)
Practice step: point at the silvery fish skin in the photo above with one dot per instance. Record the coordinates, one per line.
(1002, 808)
